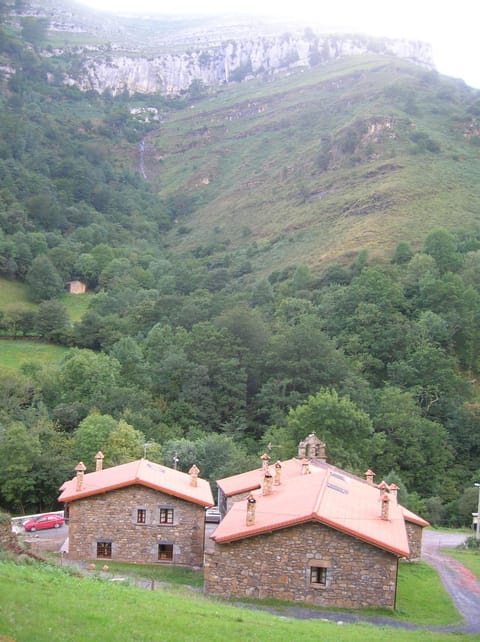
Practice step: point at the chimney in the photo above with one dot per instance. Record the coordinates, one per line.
(369, 475)
(385, 502)
(193, 472)
(98, 461)
(80, 468)
(393, 488)
(267, 483)
(278, 474)
(265, 459)
(305, 467)
(383, 487)
(251, 505)
(322, 452)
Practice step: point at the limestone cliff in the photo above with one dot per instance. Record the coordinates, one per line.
(165, 54)
(232, 61)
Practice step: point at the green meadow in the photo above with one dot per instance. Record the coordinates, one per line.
(16, 353)
(43, 602)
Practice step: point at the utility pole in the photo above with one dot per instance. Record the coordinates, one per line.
(478, 513)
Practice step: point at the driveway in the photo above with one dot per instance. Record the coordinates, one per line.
(462, 586)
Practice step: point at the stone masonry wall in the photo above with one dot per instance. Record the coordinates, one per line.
(112, 516)
(277, 565)
(414, 534)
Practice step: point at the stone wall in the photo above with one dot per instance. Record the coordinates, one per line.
(112, 517)
(277, 565)
(414, 533)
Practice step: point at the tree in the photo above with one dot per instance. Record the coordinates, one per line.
(124, 444)
(442, 246)
(43, 280)
(87, 269)
(403, 253)
(18, 318)
(89, 378)
(52, 321)
(18, 451)
(346, 429)
(92, 435)
(415, 447)
(34, 30)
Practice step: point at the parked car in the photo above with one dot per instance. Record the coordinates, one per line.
(213, 515)
(50, 520)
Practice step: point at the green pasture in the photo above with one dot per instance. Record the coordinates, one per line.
(46, 603)
(15, 353)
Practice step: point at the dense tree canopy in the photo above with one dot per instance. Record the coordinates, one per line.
(202, 356)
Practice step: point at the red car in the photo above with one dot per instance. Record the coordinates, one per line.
(50, 520)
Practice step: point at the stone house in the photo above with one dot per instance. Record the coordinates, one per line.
(76, 287)
(138, 512)
(304, 530)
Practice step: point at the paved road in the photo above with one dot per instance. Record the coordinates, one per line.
(462, 586)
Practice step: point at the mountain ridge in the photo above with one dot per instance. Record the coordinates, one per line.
(150, 54)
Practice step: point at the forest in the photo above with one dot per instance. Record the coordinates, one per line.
(193, 357)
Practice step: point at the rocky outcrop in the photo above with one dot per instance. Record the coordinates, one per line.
(232, 61)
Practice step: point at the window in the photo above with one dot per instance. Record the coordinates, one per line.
(141, 516)
(104, 549)
(166, 516)
(165, 552)
(318, 575)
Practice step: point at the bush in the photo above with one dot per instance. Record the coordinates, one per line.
(472, 543)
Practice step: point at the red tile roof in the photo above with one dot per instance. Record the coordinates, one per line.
(144, 473)
(326, 495)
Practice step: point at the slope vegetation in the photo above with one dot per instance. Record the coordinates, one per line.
(358, 154)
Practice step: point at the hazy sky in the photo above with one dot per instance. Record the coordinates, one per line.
(450, 27)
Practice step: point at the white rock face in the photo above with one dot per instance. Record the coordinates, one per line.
(232, 61)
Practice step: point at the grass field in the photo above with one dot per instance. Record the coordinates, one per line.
(76, 305)
(15, 293)
(46, 603)
(15, 353)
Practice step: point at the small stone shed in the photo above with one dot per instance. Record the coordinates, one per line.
(76, 287)
(303, 530)
(139, 512)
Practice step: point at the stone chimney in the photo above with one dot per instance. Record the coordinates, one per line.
(265, 459)
(305, 467)
(80, 468)
(393, 488)
(385, 499)
(322, 452)
(383, 487)
(99, 461)
(193, 472)
(251, 505)
(369, 475)
(278, 474)
(267, 483)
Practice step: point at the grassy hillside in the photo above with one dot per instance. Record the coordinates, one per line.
(14, 293)
(16, 353)
(361, 153)
(62, 607)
